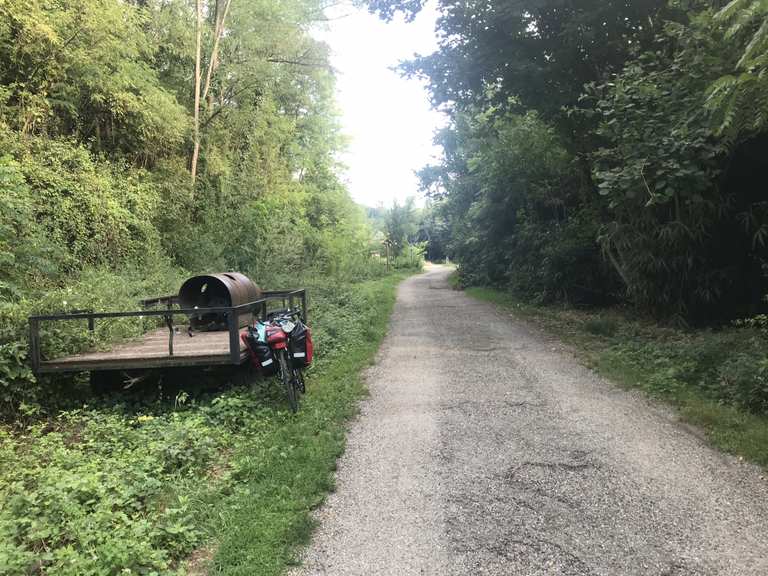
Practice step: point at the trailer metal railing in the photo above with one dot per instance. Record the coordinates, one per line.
(257, 309)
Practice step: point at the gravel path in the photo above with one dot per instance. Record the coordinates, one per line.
(485, 449)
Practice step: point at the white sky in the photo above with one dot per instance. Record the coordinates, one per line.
(387, 118)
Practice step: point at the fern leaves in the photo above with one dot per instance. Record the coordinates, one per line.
(739, 100)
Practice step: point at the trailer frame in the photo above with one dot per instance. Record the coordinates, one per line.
(258, 309)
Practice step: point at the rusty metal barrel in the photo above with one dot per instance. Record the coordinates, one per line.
(217, 291)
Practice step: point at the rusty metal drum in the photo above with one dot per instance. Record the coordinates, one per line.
(221, 290)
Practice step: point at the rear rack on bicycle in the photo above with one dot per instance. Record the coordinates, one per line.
(164, 343)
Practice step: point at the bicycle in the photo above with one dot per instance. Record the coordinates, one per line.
(280, 327)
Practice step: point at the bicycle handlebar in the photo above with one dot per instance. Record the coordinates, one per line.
(285, 312)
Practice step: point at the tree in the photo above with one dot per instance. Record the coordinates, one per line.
(220, 17)
(402, 224)
(86, 70)
(604, 149)
(540, 51)
(686, 234)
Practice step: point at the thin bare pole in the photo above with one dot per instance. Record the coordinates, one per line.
(213, 64)
(198, 55)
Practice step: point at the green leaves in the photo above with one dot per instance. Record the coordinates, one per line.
(629, 123)
(510, 194)
(86, 69)
(661, 166)
(738, 96)
(93, 494)
(541, 52)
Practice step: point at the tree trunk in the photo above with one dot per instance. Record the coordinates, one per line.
(212, 65)
(214, 62)
(198, 51)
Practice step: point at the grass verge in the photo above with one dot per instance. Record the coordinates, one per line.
(202, 482)
(291, 471)
(715, 379)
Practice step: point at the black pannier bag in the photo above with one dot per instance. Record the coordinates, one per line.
(300, 343)
(260, 352)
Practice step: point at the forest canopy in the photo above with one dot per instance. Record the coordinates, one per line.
(604, 151)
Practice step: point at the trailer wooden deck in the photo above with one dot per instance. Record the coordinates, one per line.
(151, 351)
(167, 347)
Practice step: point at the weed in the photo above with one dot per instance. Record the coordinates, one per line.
(454, 280)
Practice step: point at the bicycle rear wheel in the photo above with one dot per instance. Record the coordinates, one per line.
(286, 375)
(299, 379)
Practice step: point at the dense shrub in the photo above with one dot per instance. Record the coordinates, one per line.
(685, 237)
(90, 481)
(728, 366)
(92, 289)
(27, 254)
(743, 381)
(411, 258)
(521, 225)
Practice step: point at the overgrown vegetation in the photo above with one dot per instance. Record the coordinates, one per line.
(99, 124)
(136, 483)
(716, 378)
(603, 152)
(412, 233)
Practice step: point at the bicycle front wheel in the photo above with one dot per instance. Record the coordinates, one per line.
(286, 375)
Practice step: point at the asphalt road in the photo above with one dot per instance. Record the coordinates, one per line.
(486, 449)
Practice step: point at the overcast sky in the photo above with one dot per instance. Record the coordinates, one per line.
(387, 118)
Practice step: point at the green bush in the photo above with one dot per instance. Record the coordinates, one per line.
(27, 254)
(88, 493)
(728, 366)
(743, 381)
(412, 257)
(602, 326)
(518, 219)
(99, 212)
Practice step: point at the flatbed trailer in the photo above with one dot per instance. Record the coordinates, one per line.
(169, 347)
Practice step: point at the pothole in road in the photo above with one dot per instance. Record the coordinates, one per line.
(485, 348)
(550, 482)
(568, 466)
